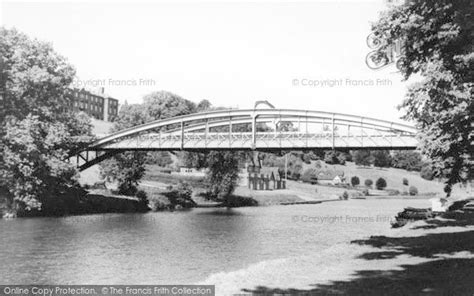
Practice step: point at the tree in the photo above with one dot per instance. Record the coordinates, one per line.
(381, 158)
(380, 184)
(203, 106)
(163, 104)
(413, 190)
(362, 157)
(127, 168)
(223, 174)
(368, 183)
(407, 160)
(405, 181)
(37, 131)
(437, 43)
(427, 172)
(342, 157)
(355, 181)
(330, 157)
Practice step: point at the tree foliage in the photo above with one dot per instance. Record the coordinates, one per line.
(37, 131)
(129, 167)
(362, 157)
(381, 158)
(368, 183)
(355, 181)
(439, 47)
(223, 174)
(380, 183)
(407, 160)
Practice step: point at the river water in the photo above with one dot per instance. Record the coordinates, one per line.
(236, 248)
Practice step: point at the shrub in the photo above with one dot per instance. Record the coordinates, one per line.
(235, 201)
(405, 181)
(365, 192)
(141, 195)
(184, 190)
(380, 184)
(427, 172)
(362, 157)
(355, 181)
(158, 203)
(413, 190)
(127, 188)
(368, 183)
(341, 159)
(330, 157)
(344, 196)
(181, 195)
(381, 158)
(306, 158)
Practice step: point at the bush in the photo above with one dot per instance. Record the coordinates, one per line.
(306, 158)
(427, 172)
(344, 196)
(182, 195)
(413, 190)
(127, 189)
(381, 158)
(341, 159)
(380, 184)
(365, 192)
(405, 181)
(141, 195)
(362, 157)
(184, 190)
(330, 157)
(235, 201)
(368, 183)
(158, 203)
(355, 181)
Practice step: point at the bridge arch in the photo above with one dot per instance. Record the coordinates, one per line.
(253, 129)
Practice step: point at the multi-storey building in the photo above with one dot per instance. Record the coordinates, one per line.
(96, 104)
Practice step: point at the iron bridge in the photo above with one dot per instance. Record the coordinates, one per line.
(253, 129)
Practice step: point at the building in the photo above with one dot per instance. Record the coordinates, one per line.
(265, 178)
(330, 177)
(193, 172)
(95, 104)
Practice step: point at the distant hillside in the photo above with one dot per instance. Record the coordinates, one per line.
(393, 177)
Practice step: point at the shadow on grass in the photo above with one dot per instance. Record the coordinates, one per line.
(439, 276)
(453, 219)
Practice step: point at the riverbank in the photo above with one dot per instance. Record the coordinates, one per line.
(84, 203)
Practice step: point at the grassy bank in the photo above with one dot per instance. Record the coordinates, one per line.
(433, 257)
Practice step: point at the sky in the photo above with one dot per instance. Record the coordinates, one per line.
(297, 55)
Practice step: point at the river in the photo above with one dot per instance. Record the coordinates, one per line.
(236, 248)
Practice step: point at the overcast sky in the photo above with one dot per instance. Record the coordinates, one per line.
(231, 53)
